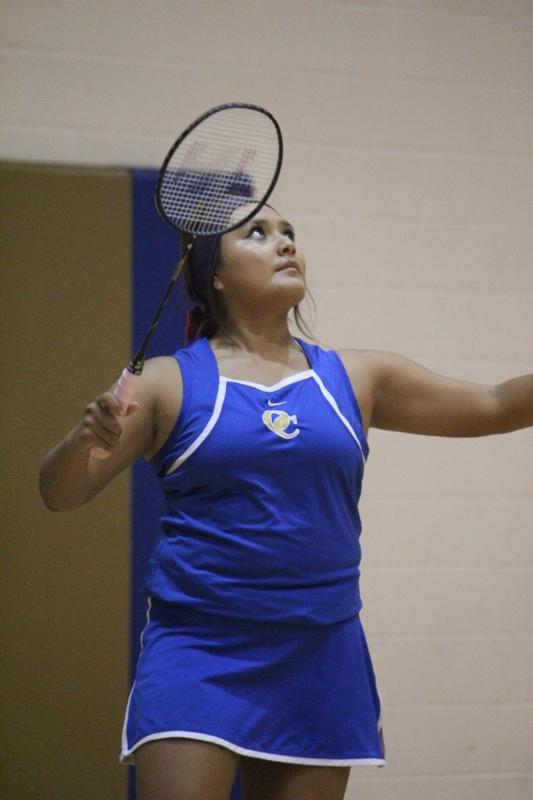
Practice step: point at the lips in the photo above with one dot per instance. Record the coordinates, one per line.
(289, 263)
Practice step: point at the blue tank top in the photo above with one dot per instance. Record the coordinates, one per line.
(261, 486)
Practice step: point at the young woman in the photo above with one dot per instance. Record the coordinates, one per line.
(254, 657)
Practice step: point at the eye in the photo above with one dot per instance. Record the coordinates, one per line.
(255, 231)
(290, 233)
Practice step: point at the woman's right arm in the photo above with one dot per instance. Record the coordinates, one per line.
(71, 474)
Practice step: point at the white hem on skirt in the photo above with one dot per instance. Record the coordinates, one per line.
(127, 756)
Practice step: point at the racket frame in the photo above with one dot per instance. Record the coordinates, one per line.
(187, 132)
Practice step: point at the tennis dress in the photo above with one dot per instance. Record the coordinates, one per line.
(253, 638)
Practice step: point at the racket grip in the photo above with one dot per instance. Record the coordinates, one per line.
(126, 388)
(124, 391)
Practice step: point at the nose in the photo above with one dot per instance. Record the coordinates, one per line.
(286, 245)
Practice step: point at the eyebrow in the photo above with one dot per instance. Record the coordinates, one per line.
(262, 221)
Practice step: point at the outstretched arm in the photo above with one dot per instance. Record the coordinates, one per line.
(404, 396)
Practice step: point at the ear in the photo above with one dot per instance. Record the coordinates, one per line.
(217, 283)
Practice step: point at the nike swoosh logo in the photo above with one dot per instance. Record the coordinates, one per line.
(270, 403)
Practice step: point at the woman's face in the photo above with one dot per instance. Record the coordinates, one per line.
(260, 261)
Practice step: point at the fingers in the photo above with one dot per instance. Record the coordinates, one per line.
(101, 426)
(110, 405)
(132, 408)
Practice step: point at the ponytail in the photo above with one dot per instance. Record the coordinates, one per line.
(199, 322)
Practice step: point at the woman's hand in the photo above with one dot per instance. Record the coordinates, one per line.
(102, 425)
(72, 473)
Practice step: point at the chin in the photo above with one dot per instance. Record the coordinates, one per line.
(296, 296)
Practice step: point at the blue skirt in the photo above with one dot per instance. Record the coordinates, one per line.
(283, 692)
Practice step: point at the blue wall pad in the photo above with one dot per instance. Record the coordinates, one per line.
(155, 252)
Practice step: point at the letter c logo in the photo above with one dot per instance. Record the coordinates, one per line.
(279, 421)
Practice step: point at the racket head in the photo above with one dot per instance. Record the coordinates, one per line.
(221, 170)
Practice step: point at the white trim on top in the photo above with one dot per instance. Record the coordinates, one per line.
(206, 431)
(127, 755)
(333, 403)
(221, 394)
(299, 376)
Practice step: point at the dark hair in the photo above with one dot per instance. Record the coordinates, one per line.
(206, 316)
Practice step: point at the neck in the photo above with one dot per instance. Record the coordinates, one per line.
(260, 338)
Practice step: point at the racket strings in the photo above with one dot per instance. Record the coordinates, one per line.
(226, 162)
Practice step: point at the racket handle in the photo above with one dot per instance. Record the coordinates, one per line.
(126, 388)
(124, 392)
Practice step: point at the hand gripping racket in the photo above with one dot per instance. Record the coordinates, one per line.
(215, 177)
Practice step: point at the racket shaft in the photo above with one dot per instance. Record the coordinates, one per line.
(128, 382)
(138, 360)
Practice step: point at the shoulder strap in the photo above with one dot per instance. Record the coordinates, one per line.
(329, 367)
(199, 375)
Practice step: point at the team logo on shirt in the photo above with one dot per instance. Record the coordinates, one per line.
(278, 422)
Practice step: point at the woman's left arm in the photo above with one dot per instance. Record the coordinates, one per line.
(405, 396)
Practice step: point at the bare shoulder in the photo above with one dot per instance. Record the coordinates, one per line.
(359, 359)
(362, 367)
(369, 371)
(162, 389)
(159, 380)
(160, 375)
(373, 366)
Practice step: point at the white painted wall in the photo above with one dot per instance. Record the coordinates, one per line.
(408, 175)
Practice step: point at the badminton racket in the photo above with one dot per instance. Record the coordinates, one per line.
(218, 173)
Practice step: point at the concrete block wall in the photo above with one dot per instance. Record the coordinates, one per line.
(408, 176)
